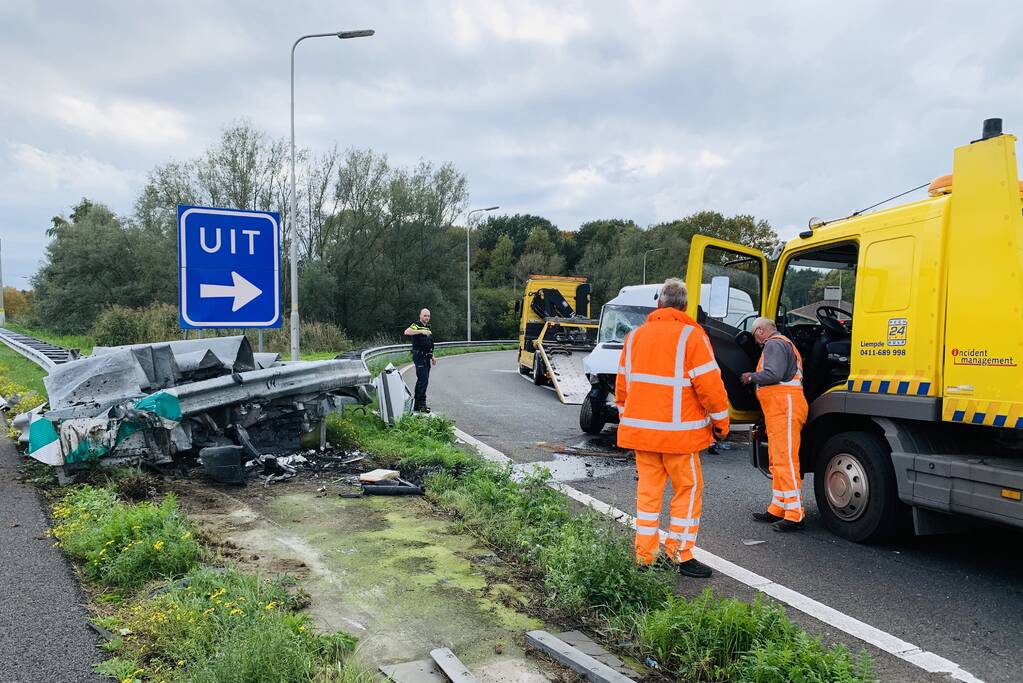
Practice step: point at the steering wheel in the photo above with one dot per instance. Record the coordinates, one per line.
(828, 318)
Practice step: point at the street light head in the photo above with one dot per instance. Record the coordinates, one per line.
(355, 34)
(492, 208)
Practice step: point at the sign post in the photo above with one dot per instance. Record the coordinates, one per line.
(228, 268)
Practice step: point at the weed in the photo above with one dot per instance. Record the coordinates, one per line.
(133, 483)
(223, 626)
(123, 545)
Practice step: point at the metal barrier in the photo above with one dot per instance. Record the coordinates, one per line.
(398, 349)
(43, 354)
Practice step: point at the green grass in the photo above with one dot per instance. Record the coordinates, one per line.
(20, 371)
(198, 624)
(221, 626)
(586, 565)
(123, 545)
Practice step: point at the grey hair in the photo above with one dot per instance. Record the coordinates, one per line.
(765, 323)
(673, 294)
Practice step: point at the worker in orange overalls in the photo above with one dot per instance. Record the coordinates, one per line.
(779, 380)
(672, 403)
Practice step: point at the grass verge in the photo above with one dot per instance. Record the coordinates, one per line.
(585, 562)
(173, 619)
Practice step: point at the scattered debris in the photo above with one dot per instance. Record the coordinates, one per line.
(752, 541)
(161, 403)
(589, 667)
(419, 671)
(398, 487)
(377, 476)
(393, 396)
(451, 666)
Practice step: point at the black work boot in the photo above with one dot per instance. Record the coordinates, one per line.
(787, 525)
(693, 568)
(766, 517)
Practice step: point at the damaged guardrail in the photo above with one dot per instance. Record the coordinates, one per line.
(41, 353)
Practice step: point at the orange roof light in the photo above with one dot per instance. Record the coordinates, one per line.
(942, 185)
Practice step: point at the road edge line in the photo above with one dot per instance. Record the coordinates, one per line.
(882, 640)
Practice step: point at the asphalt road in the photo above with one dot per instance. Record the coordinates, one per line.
(958, 596)
(43, 631)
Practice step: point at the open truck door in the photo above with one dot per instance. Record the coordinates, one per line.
(727, 285)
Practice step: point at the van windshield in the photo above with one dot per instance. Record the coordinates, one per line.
(616, 321)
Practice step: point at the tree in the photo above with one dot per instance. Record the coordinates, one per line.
(518, 228)
(742, 228)
(539, 255)
(92, 261)
(500, 270)
(17, 304)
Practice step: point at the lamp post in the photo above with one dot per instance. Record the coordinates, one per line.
(293, 211)
(649, 251)
(468, 273)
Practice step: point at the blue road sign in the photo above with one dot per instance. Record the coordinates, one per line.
(228, 265)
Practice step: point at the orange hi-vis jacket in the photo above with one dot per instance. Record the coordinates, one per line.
(669, 391)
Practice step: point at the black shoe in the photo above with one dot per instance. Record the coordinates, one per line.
(421, 409)
(693, 568)
(766, 517)
(786, 526)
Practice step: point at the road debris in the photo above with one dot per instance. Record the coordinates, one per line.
(752, 541)
(167, 402)
(377, 476)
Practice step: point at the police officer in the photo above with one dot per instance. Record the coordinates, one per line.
(422, 357)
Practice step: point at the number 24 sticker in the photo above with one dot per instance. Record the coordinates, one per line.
(897, 331)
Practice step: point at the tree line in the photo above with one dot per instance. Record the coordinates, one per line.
(377, 242)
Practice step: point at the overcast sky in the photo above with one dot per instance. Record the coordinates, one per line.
(574, 111)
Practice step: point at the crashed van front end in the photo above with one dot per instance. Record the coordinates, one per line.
(158, 403)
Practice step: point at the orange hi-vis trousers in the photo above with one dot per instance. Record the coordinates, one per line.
(784, 416)
(686, 504)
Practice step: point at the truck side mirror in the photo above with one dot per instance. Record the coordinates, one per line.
(720, 288)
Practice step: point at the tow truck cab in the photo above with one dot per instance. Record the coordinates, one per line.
(910, 327)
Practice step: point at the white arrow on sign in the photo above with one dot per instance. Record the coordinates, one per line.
(242, 290)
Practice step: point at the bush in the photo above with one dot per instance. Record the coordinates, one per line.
(118, 326)
(222, 625)
(123, 545)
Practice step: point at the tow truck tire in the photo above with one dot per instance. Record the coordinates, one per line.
(590, 420)
(854, 484)
(539, 377)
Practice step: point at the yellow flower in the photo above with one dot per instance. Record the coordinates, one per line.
(236, 611)
(187, 535)
(301, 628)
(158, 545)
(271, 604)
(181, 662)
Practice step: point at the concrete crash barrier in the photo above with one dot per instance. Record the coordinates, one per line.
(156, 403)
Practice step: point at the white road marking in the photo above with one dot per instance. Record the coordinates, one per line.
(906, 651)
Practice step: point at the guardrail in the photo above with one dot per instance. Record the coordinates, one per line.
(43, 354)
(398, 349)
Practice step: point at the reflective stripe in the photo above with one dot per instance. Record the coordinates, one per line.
(790, 506)
(706, 367)
(786, 494)
(680, 372)
(628, 360)
(646, 530)
(659, 379)
(676, 426)
(621, 409)
(681, 537)
(621, 369)
(790, 383)
(685, 521)
(648, 516)
(720, 415)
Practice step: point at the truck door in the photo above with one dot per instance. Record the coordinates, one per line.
(727, 286)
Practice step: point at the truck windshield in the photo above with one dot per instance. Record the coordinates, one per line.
(617, 321)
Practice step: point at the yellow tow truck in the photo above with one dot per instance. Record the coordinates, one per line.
(910, 324)
(556, 334)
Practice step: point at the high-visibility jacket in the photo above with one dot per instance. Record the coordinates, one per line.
(669, 391)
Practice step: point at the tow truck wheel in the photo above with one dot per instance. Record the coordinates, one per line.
(590, 421)
(854, 484)
(539, 377)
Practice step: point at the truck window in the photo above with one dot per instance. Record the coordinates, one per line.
(617, 321)
(744, 278)
(818, 294)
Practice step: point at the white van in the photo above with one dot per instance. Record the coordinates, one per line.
(618, 317)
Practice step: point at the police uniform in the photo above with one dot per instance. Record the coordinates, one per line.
(422, 358)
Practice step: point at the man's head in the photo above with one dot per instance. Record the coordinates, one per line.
(763, 328)
(673, 294)
(424, 316)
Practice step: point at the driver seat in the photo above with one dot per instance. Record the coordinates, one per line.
(828, 364)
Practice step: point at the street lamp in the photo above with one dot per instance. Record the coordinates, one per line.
(291, 203)
(468, 273)
(649, 251)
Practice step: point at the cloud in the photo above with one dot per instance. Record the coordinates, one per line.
(35, 172)
(130, 121)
